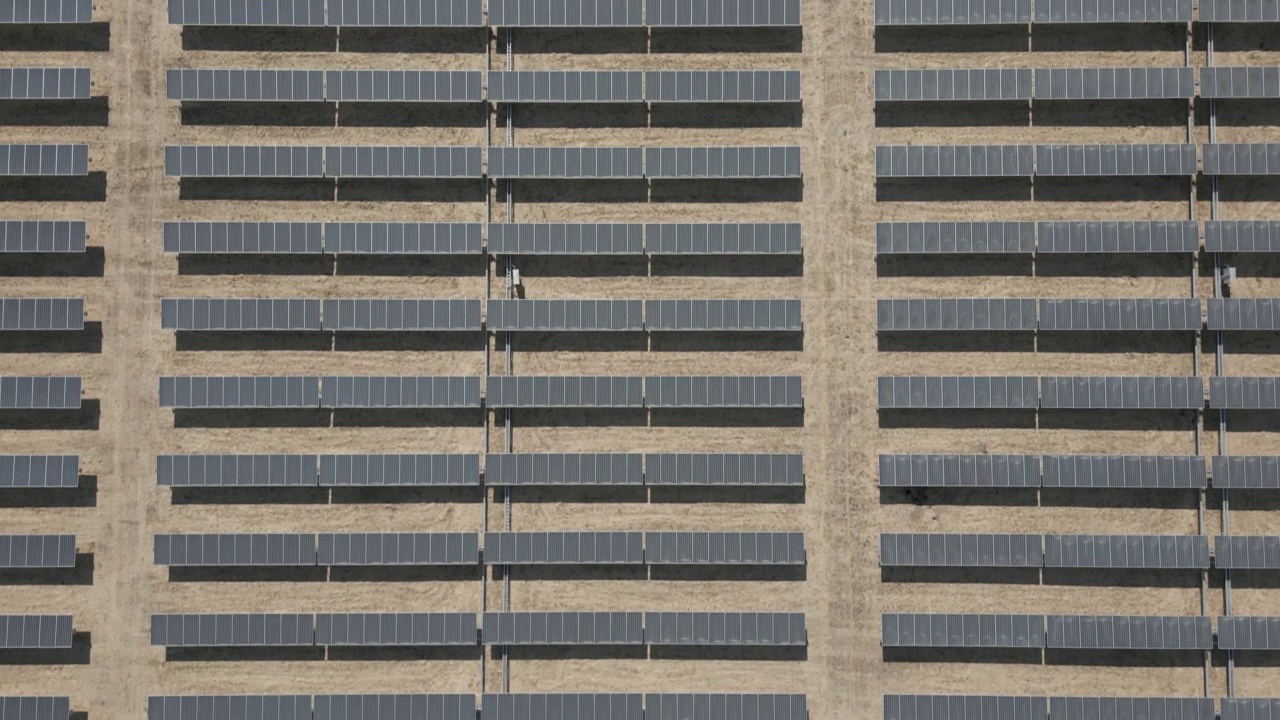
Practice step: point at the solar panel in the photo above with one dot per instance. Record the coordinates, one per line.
(566, 239)
(412, 13)
(57, 314)
(39, 471)
(727, 469)
(936, 161)
(435, 706)
(247, 314)
(1242, 159)
(961, 630)
(722, 13)
(1249, 708)
(563, 469)
(396, 629)
(722, 162)
(1118, 708)
(370, 549)
(728, 86)
(236, 470)
(398, 470)
(1118, 237)
(724, 548)
(1122, 393)
(723, 315)
(712, 706)
(35, 707)
(1248, 633)
(21, 552)
(233, 630)
(285, 391)
(982, 471)
(953, 12)
(571, 86)
(909, 392)
(228, 85)
(565, 315)
(723, 391)
(1244, 314)
(946, 238)
(243, 238)
(1238, 11)
(46, 12)
(1129, 632)
(1122, 83)
(209, 161)
(35, 632)
(563, 628)
(559, 163)
(561, 706)
(1151, 552)
(722, 238)
(282, 13)
(960, 550)
(402, 162)
(965, 707)
(236, 550)
(44, 160)
(1115, 160)
(725, 628)
(1168, 472)
(42, 236)
(45, 83)
(378, 391)
(563, 548)
(1113, 11)
(393, 238)
(962, 314)
(1246, 236)
(24, 392)
(242, 707)
(1244, 393)
(949, 84)
(401, 314)
(1120, 314)
(564, 391)
(1240, 82)
(578, 13)
(1247, 552)
(450, 86)
(1244, 472)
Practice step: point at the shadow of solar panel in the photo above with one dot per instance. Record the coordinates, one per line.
(723, 315)
(1243, 314)
(722, 162)
(1113, 11)
(722, 13)
(279, 13)
(561, 706)
(565, 315)
(965, 707)
(1154, 552)
(723, 238)
(916, 392)
(714, 86)
(347, 391)
(728, 469)
(233, 630)
(563, 628)
(287, 391)
(434, 706)
(978, 471)
(1246, 552)
(1129, 632)
(243, 238)
(395, 629)
(1170, 472)
(236, 470)
(380, 238)
(1248, 633)
(1242, 236)
(1115, 160)
(39, 471)
(1118, 708)
(1244, 393)
(962, 314)
(1245, 472)
(959, 550)
(564, 548)
(37, 551)
(1178, 314)
(54, 314)
(724, 548)
(414, 13)
(946, 238)
(449, 86)
(960, 630)
(44, 160)
(572, 86)
(35, 707)
(35, 632)
(564, 392)
(42, 236)
(947, 84)
(725, 628)
(46, 12)
(1240, 83)
(380, 549)
(246, 314)
(925, 161)
(243, 707)
(603, 469)
(566, 239)
(1250, 708)
(1239, 11)
(39, 393)
(236, 550)
(401, 314)
(398, 470)
(1122, 393)
(1123, 83)
(244, 161)
(219, 85)
(711, 391)
(1242, 159)
(709, 706)
(576, 13)
(401, 162)
(1118, 237)
(953, 12)
(560, 163)
(45, 83)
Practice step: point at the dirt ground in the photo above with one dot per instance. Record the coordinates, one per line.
(122, 429)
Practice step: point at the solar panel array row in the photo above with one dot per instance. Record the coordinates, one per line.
(762, 391)
(42, 236)
(1122, 393)
(724, 548)
(1115, 708)
(722, 162)
(1249, 708)
(1115, 160)
(1256, 472)
(895, 315)
(23, 314)
(757, 315)
(1162, 552)
(1019, 12)
(632, 315)
(450, 470)
(967, 707)
(1246, 236)
(341, 391)
(298, 161)
(45, 12)
(907, 392)
(1061, 471)
(35, 707)
(895, 238)
(722, 238)
(258, 314)
(1247, 552)
(249, 707)
(39, 471)
(1242, 159)
(396, 629)
(563, 469)
(1248, 633)
(45, 83)
(330, 13)
(695, 469)
(925, 161)
(963, 314)
(1017, 471)
(393, 707)
(632, 706)
(1239, 11)
(330, 391)
(365, 549)
(949, 84)
(722, 13)
(1244, 393)
(277, 85)
(1129, 632)
(986, 631)
(689, 86)
(1021, 84)
(35, 632)
(650, 162)
(563, 628)
(960, 550)
(305, 629)
(18, 552)
(566, 315)
(1244, 314)
(241, 549)
(24, 392)
(635, 391)
(1132, 83)
(563, 548)
(44, 160)
(1121, 314)
(1117, 237)
(570, 86)
(725, 628)
(1240, 82)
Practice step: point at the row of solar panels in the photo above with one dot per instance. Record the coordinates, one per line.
(26, 392)
(493, 706)
(470, 13)
(19, 552)
(314, 161)
(929, 161)
(40, 83)
(1022, 12)
(22, 314)
(1024, 314)
(526, 391)
(498, 628)
(514, 86)
(1028, 707)
(35, 632)
(1079, 236)
(18, 472)
(465, 238)
(257, 314)
(500, 548)
(44, 160)
(510, 469)
(1078, 632)
(1163, 552)
(1077, 392)
(1119, 83)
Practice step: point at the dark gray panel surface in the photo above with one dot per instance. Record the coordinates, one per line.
(566, 239)
(42, 236)
(1242, 236)
(960, 630)
(452, 86)
(723, 238)
(24, 392)
(1240, 82)
(953, 12)
(1122, 708)
(559, 163)
(563, 548)
(965, 707)
(396, 629)
(234, 85)
(1122, 393)
(1124, 83)
(1151, 552)
(939, 161)
(248, 238)
(722, 162)
(39, 471)
(567, 86)
(394, 238)
(347, 161)
(287, 391)
(369, 549)
(728, 469)
(45, 83)
(978, 471)
(242, 314)
(241, 707)
(563, 628)
(382, 315)
(394, 391)
(433, 706)
(728, 86)
(947, 238)
(1117, 237)
(723, 315)
(236, 550)
(722, 13)
(1127, 314)
(1242, 159)
(1239, 11)
(725, 628)
(960, 550)
(236, 470)
(34, 707)
(405, 13)
(243, 161)
(727, 391)
(572, 391)
(946, 84)
(565, 315)
(714, 706)
(561, 706)
(724, 548)
(397, 470)
(1249, 708)
(1244, 393)
(576, 13)
(44, 160)
(35, 632)
(1170, 472)
(1247, 552)
(1244, 314)
(1115, 160)
(1113, 11)
(20, 552)
(1128, 632)
(282, 13)
(961, 314)
(1248, 633)
(53, 314)
(563, 469)
(46, 12)
(1247, 472)
(233, 630)
(914, 392)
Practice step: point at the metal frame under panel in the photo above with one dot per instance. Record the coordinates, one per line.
(960, 471)
(724, 469)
